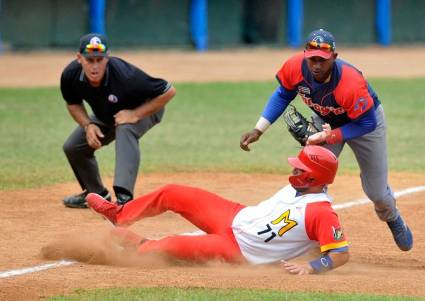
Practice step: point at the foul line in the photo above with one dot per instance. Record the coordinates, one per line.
(365, 200)
(37, 268)
(61, 263)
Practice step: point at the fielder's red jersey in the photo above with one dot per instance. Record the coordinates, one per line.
(346, 97)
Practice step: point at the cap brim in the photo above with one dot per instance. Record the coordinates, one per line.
(95, 54)
(317, 52)
(295, 162)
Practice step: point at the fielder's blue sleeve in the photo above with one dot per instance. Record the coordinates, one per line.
(360, 127)
(277, 103)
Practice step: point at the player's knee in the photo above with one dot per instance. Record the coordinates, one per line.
(68, 148)
(171, 191)
(377, 196)
(124, 129)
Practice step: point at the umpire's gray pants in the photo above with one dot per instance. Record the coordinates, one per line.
(370, 151)
(127, 153)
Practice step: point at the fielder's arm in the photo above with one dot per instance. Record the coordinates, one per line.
(277, 103)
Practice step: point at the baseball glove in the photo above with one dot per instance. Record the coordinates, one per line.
(299, 127)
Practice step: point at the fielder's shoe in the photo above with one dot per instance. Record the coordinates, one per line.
(103, 207)
(79, 200)
(402, 235)
(122, 198)
(126, 238)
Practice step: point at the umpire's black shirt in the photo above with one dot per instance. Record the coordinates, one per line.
(124, 86)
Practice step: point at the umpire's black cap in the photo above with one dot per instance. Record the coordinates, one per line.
(94, 44)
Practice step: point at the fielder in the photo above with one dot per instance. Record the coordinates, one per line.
(350, 111)
(296, 219)
(126, 103)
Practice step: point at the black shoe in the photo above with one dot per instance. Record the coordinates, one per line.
(123, 198)
(79, 200)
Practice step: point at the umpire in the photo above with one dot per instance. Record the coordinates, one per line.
(125, 101)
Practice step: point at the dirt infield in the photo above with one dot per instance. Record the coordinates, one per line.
(40, 221)
(44, 68)
(35, 219)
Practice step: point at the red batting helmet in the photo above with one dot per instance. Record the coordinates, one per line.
(319, 166)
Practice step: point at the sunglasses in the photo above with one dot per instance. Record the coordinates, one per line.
(95, 48)
(313, 45)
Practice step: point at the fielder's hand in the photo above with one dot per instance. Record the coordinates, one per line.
(249, 138)
(125, 116)
(93, 133)
(320, 137)
(296, 269)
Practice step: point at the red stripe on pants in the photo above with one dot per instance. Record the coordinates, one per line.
(207, 211)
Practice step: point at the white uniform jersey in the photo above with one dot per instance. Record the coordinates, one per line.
(275, 229)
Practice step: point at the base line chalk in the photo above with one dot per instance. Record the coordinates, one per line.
(37, 268)
(365, 200)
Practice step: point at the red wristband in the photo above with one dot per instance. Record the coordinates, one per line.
(334, 137)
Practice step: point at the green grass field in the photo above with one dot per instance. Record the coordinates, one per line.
(202, 294)
(200, 132)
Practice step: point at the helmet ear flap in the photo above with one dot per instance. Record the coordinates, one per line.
(302, 180)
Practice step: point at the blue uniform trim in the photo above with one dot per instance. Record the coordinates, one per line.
(363, 125)
(338, 250)
(277, 103)
(372, 93)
